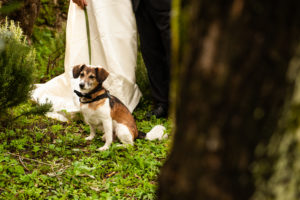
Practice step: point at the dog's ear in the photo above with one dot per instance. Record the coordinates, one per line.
(101, 74)
(77, 69)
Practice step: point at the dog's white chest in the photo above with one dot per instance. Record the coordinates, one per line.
(95, 116)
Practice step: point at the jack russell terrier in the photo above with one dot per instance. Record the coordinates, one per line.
(99, 108)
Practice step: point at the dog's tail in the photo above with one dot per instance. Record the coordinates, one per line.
(157, 132)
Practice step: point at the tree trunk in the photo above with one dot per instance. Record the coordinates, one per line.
(233, 86)
(26, 14)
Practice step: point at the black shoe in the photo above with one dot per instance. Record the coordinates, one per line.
(160, 111)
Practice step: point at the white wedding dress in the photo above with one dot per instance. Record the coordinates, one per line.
(113, 46)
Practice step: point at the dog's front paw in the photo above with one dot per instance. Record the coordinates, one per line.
(89, 138)
(104, 148)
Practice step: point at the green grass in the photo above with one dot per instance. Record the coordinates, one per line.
(41, 158)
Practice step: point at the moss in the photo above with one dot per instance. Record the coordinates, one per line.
(276, 171)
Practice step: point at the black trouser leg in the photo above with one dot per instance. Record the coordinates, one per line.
(154, 31)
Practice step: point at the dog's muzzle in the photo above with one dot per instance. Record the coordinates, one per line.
(81, 85)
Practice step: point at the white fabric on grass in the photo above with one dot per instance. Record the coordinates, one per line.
(113, 46)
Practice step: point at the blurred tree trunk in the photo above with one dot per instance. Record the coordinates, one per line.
(26, 14)
(233, 84)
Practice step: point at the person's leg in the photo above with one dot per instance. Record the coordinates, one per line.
(155, 55)
(162, 22)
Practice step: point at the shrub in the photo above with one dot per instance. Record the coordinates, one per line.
(17, 61)
(16, 66)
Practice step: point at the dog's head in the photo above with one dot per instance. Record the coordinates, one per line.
(90, 77)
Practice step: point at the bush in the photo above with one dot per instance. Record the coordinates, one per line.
(17, 61)
(52, 13)
(16, 66)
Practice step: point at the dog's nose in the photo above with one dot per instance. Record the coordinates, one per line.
(81, 85)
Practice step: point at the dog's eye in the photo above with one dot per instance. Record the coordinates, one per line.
(91, 77)
(82, 74)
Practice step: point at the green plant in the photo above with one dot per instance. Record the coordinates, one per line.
(8, 8)
(49, 38)
(50, 52)
(16, 66)
(17, 61)
(52, 13)
(41, 158)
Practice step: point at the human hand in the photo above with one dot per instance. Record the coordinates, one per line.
(80, 3)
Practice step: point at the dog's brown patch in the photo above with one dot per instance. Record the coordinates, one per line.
(101, 74)
(122, 115)
(77, 69)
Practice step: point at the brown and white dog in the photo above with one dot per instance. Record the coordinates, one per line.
(99, 108)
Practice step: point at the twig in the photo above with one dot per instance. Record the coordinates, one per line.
(54, 173)
(51, 62)
(30, 159)
(110, 174)
(87, 175)
(20, 159)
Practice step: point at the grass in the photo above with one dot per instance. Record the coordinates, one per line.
(41, 158)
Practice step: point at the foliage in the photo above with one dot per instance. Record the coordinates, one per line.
(10, 7)
(16, 66)
(52, 13)
(42, 158)
(45, 159)
(49, 39)
(16, 73)
(50, 52)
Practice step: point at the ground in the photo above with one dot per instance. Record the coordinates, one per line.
(41, 158)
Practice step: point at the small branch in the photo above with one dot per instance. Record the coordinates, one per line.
(21, 161)
(30, 159)
(110, 174)
(87, 175)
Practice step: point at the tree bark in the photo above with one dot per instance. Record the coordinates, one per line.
(233, 86)
(26, 14)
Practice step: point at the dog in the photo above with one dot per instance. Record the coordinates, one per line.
(101, 109)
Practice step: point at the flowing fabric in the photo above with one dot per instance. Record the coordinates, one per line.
(113, 38)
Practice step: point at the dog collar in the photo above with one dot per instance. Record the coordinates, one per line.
(97, 98)
(88, 95)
